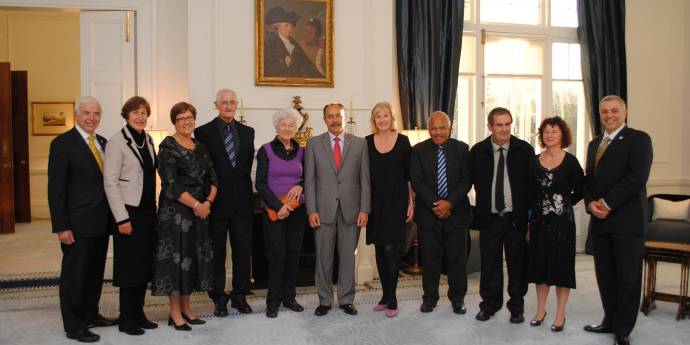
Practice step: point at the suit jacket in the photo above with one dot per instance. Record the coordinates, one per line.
(520, 154)
(234, 184)
(275, 52)
(621, 179)
(76, 196)
(123, 175)
(325, 188)
(424, 178)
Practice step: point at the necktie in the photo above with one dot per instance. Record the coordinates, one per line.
(442, 184)
(600, 151)
(95, 152)
(336, 153)
(230, 146)
(500, 175)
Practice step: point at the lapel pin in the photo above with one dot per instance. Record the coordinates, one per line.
(620, 138)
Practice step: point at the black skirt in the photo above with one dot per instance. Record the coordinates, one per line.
(133, 264)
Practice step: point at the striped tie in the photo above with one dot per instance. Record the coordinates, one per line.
(442, 179)
(230, 145)
(600, 151)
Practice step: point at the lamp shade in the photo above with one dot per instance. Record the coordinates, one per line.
(416, 135)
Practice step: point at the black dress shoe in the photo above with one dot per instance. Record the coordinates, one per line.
(242, 306)
(517, 318)
(322, 310)
(459, 308)
(100, 321)
(272, 312)
(483, 315)
(221, 306)
(84, 336)
(427, 307)
(349, 309)
(144, 323)
(196, 321)
(536, 322)
(557, 328)
(621, 340)
(293, 305)
(182, 327)
(598, 328)
(131, 329)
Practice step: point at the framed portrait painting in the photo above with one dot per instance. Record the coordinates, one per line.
(294, 42)
(51, 118)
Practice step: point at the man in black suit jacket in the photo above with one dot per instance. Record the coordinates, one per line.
(618, 164)
(499, 174)
(231, 146)
(81, 218)
(440, 178)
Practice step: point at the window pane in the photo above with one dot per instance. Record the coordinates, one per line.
(569, 103)
(510, 11)
(566, 61)
(509, 55)
(564, 13)
(467, 15)
(522, 97)
(463, 108)
(467, 55)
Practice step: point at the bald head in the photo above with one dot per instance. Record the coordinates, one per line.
(439, 127)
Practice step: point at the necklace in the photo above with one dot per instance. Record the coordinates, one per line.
(143, 143)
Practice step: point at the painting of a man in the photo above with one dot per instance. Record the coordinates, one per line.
(283, 55)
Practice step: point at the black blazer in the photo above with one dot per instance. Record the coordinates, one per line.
(424, 178)
(621, 179)
(234, 184)
(76, 196)
(519, 156)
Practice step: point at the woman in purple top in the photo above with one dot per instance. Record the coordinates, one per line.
(279, 180)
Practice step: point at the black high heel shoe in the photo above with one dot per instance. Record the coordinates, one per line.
(196, 321)
(555, 328)
(182, 327)
(536, 322)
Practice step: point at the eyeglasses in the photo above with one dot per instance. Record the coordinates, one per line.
(188, 118)
(228, 103)
(286, 126)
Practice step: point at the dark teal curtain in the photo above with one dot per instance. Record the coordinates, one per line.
(429, 39)
(601, 33)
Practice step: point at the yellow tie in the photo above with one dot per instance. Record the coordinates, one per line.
(600, 151)
(95, 152)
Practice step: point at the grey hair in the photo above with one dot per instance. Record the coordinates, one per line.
(86, 100)
(614, 98)
(287, 112)
(442, 114)
(223, 91)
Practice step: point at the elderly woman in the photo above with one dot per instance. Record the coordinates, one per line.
(392, 202)
(279, 180)
(130, 184)
(555, 186)
(184, 253)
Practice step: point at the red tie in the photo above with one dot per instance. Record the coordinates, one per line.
(336, 153)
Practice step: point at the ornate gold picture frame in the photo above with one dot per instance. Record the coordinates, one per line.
(51, 118)
(294, 43)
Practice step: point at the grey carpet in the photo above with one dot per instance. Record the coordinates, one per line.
(32, 316)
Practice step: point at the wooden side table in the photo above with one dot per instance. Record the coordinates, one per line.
(654, 256)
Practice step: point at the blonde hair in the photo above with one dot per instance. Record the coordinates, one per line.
(372, 119)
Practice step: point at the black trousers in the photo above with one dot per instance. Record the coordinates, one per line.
(240, 230)
(439, 243)
(388, 264)
(81, 280)
(618, 266)
(283, 242)
(499, 234)
(131, 305)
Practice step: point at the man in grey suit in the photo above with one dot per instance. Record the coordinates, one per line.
(336, 185)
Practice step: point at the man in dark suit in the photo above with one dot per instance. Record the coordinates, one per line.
(81, 218)
(618, 164)
(499, 174)
(440, 178)
(231, 146)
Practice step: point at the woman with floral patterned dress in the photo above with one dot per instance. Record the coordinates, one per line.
(184, 254)
(555, 186)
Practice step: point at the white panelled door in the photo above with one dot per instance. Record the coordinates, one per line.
(108, 63)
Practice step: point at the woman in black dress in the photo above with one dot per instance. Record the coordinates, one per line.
(184, 253)
(392, 203)
(129, 177)
(555, 186)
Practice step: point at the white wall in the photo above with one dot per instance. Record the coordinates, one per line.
(657, 56)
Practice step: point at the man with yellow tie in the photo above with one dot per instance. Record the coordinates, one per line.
(81, 219)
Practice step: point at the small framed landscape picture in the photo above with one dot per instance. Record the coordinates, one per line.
(51, 118)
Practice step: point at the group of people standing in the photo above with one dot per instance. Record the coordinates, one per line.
(338, 184)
